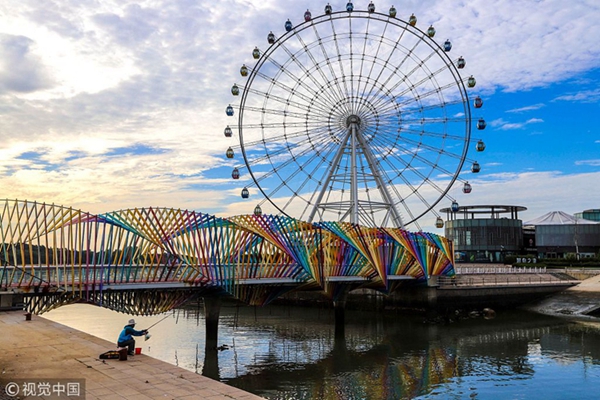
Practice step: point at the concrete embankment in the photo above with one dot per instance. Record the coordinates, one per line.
(580, 302)
(40, 349)
(463, 292)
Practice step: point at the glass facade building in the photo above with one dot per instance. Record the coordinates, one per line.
(559, 241)
(484, 233)
(590, 215)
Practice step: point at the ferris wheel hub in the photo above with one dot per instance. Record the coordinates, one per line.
(352, 120)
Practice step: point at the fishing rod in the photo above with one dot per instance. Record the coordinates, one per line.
(156, 323)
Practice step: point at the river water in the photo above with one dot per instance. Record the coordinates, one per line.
(282, 352)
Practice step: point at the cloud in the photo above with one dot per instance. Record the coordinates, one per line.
(591, 163)
(511, 126)
(534, 121)
(21, 69)
(526, 108)
(505, 126)
(586, 96)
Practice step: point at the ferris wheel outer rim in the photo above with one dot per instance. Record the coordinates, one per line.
(423, 37)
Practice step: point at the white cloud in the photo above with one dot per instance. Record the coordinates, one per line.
(526, 108)
(511, 126)
(534, 121)
(21, 68)
(586, 96)
(591, 163)
(505, 126)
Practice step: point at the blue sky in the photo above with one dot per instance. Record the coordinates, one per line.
(111, 105)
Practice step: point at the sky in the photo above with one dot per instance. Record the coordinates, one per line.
(108, 105)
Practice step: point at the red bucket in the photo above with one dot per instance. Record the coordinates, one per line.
(138, 350)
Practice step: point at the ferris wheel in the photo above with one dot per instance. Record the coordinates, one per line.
(354, 116)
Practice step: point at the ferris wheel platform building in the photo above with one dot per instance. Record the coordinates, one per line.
(354, 115)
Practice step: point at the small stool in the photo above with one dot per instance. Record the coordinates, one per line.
(122, 353)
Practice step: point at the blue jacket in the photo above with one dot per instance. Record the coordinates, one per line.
(128, 332)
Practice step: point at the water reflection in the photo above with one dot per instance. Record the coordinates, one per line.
(293, 353)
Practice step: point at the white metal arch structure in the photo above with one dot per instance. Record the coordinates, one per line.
(354, 116)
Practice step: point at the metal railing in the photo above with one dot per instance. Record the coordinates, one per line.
(587, 271)
(487, 280)
(499, 270)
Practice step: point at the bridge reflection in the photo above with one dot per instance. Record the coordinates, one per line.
(399, 359)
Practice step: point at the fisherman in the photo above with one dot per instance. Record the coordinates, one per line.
(126, 337)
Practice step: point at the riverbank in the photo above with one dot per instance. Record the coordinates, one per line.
(581, 302)
(44, 350)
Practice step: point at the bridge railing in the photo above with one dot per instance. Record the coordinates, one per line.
(66, 275)
(587, 271)
(499, 270)
(71, 276)
(484, 280)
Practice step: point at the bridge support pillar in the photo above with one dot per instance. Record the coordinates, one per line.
(339, 307)
(212, 309)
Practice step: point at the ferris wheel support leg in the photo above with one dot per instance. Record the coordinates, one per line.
(380, 184)
(334, 164)
(353, 178)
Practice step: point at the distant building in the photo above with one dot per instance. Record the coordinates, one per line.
(558, 235)
(484, 233)
(591, 215)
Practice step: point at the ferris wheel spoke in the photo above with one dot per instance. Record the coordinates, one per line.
(282, 101)
(412, 86)
(279, 125)
(290, 177)
(270, 155)
(338, 91)
(284, 87)
(421, 145)
(351, 78)
(306, 73)
(394, 72)
(426, 94)
(336, 95)
(316, 130)
(430, 93)
(279, 166)
(277, 112)
(437, 135)
(424, 178)
(432, 120)
(418, 98)
(374, 58)
(341, 65)
(431, 107)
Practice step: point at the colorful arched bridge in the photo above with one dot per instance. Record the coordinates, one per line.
(156, 258)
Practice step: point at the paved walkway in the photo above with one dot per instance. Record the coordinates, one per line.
(589, 285)
(43, 349)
